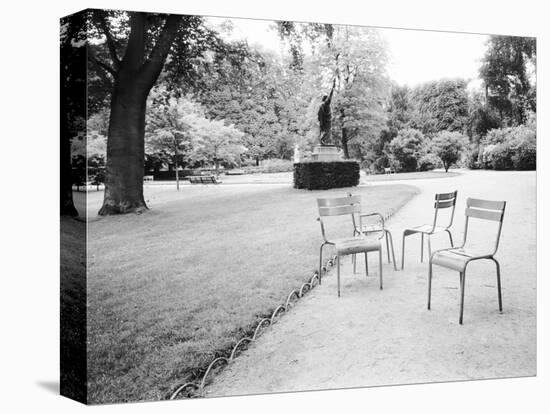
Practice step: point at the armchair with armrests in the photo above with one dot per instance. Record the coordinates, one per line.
(359, 243)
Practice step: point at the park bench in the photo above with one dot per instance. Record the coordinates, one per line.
(389, 170)
(204, 179)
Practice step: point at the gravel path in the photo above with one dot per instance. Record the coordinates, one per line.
(370, 337)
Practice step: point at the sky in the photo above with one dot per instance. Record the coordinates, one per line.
(416, 56)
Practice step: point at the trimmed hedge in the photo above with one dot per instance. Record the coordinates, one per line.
(326, 175)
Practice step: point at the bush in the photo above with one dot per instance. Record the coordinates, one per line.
(276, 165)
(407, 148)
(273, 165)
(510, 148)
(428, 162)
(472, 158)
(501, 157)
(448, 146)
(525, 157)
(326, 175)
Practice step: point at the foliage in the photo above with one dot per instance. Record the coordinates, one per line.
(442, 105)
(428, 162)
(168, 126)
(510, 148)
(508, 73)
(448, 146)
(406, 149)
(326, 175)
(481, 119)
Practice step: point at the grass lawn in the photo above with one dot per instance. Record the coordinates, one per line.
(178, 285)
(73, 307)
(408, 176)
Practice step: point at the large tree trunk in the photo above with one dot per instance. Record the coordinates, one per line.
(125, 149)
(67, 207)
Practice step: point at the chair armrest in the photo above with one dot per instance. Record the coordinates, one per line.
(322, 229)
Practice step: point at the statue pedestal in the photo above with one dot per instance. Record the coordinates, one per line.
(326, 153)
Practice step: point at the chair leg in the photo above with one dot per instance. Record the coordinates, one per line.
(387, 245)
(392, 250)
(380, 266)
(462, 284)
(430, 285)
(450, 237)
(498, 284)
(422, 247)
(338, 273)
(366, 264)
(354, 261)
(321, 263)
(403, 252)
(429, 246)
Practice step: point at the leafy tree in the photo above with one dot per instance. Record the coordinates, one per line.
(73, 102)
(508, 72)
(215, 143)
(132, 52)
(167, 133)
(407, 148)
(448, 146)
(442, 105)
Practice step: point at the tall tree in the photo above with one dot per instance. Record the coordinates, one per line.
(442, 105)
(72, 99)
(508, 70)
(135, 69)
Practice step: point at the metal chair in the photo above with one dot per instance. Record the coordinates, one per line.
(458, 258)
(371, 229)
(442, 201)
(345, 246)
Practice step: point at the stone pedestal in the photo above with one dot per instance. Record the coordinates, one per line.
(326, 153)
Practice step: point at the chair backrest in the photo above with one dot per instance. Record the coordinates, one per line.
(339, 206)
(443, 201)
(485, 210)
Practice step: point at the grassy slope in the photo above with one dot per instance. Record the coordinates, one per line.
(73, 308)
(172, 288)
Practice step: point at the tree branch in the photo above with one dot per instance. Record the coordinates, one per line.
(101, 64)
(111, 44)
(153, 66)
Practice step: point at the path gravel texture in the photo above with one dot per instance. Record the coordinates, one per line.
(371, 337)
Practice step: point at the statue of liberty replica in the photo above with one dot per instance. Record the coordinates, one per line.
(325, 169)
(324, 115)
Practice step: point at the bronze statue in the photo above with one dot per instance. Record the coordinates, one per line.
(325, 118)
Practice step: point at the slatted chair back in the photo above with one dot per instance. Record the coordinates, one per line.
(485, 210)
(444, 201)
(337, 206)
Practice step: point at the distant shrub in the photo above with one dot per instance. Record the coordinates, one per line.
(510, 148)
(407, 148)
(525, 157)
(326, 175)
(472, 158)
(448, 146)
(429, 162)
(273, 165)
(276, 165)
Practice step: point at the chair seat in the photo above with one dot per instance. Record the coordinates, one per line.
(354, 245)
(370, 229)
(455, 259)
(425, 228)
